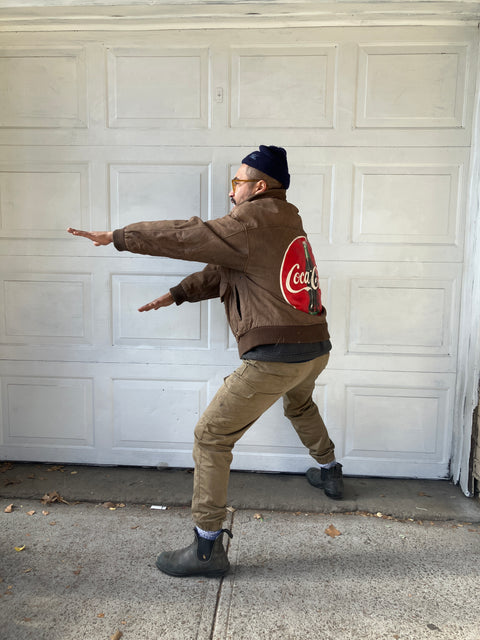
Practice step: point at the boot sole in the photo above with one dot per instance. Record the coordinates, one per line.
(332, 497)
(206, 574)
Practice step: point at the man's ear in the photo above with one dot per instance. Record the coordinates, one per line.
(261, 186)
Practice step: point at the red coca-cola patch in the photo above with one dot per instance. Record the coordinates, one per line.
(299, 277)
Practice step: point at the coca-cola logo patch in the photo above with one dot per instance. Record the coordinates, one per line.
(299, 277)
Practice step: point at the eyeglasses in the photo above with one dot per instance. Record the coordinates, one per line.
(237, 181)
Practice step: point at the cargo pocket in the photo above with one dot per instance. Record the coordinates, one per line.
(238, 386)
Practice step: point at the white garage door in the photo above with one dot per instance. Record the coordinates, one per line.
(102, 129)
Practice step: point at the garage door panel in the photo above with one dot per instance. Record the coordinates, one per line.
(383, 317)
(46, 88)
(162, 88)
(412, 85)
(400, 317)
(47, 309)
(402, 422)
(43, 411)
(41, 200)
(149, 192)
(172, 327)
(289, 86)
(416, 204)
(156, 413)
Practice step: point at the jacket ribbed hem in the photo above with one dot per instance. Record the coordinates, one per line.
(274, 335)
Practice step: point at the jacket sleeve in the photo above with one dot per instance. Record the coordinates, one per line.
(222, 241)
(202, 285)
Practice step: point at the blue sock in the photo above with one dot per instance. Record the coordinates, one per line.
(328, 465)
(209, 535)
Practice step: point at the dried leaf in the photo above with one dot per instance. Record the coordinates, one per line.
(258, 516)
(53, 496)
(116, 636)
(100, 615)
(57, 467)
(20, 548)
(332, 531)
(231, 509)
(6, 466)
(30, 513)
(9, 509)
(45, 513)
(108, 505)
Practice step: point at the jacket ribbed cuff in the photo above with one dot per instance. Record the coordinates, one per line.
(119, 239)
(178, 294)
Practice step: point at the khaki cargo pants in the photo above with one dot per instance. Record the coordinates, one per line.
(245, 395)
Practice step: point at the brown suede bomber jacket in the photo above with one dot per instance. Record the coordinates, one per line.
(245, 253)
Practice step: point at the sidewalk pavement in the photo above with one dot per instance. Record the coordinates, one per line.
(396, 559)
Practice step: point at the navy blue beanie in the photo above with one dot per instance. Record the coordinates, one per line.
(272, 161)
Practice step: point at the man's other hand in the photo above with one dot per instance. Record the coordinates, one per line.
(99, 238)
(164, 301)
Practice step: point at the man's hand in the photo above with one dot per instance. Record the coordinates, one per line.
(99, 238)
(164, 301)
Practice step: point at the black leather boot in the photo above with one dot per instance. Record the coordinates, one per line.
(330, 480)
(202, 558)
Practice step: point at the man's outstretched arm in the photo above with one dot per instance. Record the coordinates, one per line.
(103, 238)
(199, 286)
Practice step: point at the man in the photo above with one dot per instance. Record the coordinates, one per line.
(260, 264)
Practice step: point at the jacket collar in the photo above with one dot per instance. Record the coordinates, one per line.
(279, 194)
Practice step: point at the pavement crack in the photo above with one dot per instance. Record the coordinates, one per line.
(220, 586)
